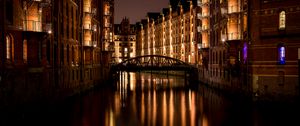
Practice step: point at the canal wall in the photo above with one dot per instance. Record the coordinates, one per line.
(46, 85)
(244, 84)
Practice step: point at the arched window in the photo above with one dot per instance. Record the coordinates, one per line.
(282, 20)
(281, 54)
(9, 47)
(25, 50)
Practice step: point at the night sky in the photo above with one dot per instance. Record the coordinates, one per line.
(136, 10)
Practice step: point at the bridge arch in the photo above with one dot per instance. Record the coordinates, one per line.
(152, 62)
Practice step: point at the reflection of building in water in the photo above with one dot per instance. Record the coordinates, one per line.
(148, 81)
(157, 106)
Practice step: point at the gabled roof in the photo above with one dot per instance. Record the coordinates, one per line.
(153, 15)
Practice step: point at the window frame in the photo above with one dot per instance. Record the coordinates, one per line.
(282, 20)
(281, 52)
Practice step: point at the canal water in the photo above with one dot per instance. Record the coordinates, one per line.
(145, 99)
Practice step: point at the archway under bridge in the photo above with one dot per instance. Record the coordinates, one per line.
(152, 63)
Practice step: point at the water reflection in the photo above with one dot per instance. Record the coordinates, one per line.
(163, 100)
(156, 99)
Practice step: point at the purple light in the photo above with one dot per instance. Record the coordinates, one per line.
(281, 55)
(245, 52)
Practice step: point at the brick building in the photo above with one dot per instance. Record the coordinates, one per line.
(124, 41)
(274, 36)
(238, 45)
(171, 32)
(50, 48)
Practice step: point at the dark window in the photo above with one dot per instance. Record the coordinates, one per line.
(55, 55)
(67, 25)
(72, 18)
(9, 11)
(280, 78)
(48, 51)
(62, 53)
(40, 52)
(68, 57)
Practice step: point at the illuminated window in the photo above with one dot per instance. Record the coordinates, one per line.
(282, 18)
(281, 54)
(25, 50)
(9, 47)
(245, 52)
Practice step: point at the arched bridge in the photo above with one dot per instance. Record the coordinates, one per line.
(153, 62)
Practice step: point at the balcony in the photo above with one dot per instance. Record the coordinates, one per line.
(87, 43)
(31, 25)
(87, 26)
(233, 9)
(87, 9)
(204, 28)
(107, 13)
(224, 11)
(234, 36)
(202, 16)
(204, 45)
(204, 3)
(107, 25)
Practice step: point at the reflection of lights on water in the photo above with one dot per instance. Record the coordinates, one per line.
(154, 108)
(143, 108)
(204, 121)
(148, 106)
(189, 99)
(142, 82)
(182, 105)
(171, 106)
(149, 83)
(111, 118)
(164, 109)
(192, 107)
(132, 81)
(117, 104)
